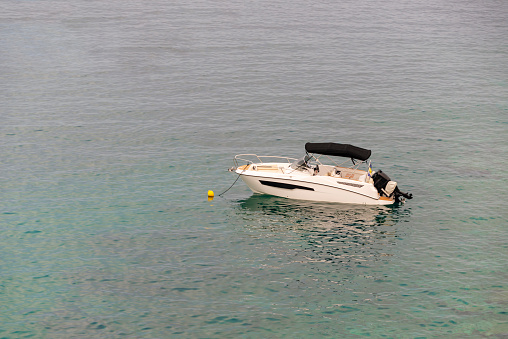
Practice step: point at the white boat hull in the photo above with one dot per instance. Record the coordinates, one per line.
(304, 186)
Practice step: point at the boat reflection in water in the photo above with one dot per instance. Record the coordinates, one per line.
(349, 236)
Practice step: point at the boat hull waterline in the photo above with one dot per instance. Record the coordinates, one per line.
(314, 188)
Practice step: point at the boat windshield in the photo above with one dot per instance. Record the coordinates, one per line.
(301, 163)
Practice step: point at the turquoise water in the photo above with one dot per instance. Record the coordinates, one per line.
(118, 117)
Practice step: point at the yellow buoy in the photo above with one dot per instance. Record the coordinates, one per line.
(210, 194)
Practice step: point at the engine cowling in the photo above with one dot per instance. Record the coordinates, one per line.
(386, 187)
(381, 180)
(389, 188)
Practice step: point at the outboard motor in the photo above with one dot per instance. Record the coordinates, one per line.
(388, 188)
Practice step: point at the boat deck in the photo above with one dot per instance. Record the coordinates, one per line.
(322, 170)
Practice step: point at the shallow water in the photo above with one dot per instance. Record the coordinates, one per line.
(118, 117)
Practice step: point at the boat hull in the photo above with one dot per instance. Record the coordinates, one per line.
(314, 188)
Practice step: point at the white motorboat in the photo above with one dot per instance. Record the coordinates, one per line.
(309, 178)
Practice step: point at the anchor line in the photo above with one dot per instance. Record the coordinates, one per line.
(238, 177)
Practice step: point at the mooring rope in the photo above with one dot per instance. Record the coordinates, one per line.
(238, 177)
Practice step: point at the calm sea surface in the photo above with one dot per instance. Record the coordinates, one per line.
(116, 118)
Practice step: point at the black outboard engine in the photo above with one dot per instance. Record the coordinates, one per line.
(388, 188)
(380, 181)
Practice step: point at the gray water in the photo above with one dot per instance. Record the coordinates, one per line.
(117, 117)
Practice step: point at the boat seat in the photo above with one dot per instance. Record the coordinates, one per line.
(267, 168)
(365, 178)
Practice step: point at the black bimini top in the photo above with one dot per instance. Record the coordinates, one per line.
(339, 150)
